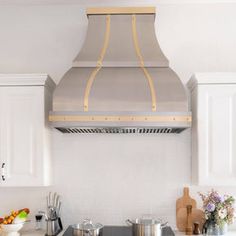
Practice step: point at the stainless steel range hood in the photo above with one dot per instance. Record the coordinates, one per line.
(120, 82)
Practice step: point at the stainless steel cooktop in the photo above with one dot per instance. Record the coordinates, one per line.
(120, 231)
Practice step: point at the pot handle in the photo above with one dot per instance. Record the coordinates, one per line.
(164, 225)
(129, 222)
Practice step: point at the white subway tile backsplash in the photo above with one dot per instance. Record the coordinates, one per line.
(110, 178)
(114, 177)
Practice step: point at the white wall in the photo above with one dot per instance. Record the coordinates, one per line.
(112, 177)
(195, 37)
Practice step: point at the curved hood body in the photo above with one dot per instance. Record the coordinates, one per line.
(120, 81)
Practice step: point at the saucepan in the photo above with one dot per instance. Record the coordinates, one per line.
(87, 228)
(146, 227)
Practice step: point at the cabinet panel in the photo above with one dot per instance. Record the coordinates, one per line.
(1, 130)
(25, 135)
(216, 117)
(23, 109)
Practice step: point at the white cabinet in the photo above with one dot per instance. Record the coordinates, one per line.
(25, 101)
(213, 98)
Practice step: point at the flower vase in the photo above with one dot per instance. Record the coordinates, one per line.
(214, 229)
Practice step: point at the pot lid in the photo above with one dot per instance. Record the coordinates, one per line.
(87, 225)
(147, 221)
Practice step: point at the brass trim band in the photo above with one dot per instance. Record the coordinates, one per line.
(99, 63)
(124, 118)
(120, 10)
(145, 71)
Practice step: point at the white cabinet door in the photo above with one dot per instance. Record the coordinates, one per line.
(21, 140)
(215, 127)
(1, 133)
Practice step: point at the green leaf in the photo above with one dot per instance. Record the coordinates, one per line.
(22, 215)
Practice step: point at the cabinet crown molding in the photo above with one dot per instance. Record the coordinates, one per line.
(211, 78)
(27, 80)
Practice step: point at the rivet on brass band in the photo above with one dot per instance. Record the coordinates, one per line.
(101, 118)
(145, 71)
(99, 64)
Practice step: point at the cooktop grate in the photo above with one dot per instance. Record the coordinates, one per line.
(120, 130)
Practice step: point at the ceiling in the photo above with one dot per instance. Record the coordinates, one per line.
(108, 2)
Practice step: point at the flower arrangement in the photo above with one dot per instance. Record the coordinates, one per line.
(219, 209)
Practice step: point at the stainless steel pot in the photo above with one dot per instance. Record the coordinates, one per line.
(87, 228)
(146, 227)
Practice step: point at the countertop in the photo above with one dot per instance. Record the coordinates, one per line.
(34, 233)
(37, 233)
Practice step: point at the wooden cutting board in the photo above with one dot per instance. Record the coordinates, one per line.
(181, 219)
(185, 200)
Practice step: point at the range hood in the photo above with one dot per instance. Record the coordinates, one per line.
(120, 82)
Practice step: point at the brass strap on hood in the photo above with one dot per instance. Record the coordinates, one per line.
(101, 57)
(145, 71)
(99, 63)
